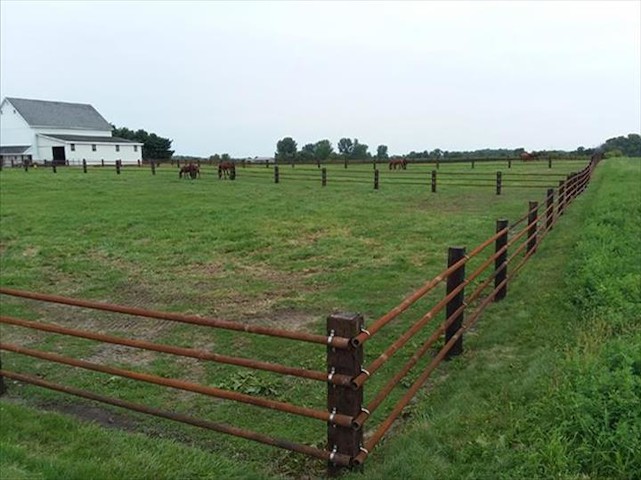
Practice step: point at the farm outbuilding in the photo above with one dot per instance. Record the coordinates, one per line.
(62, 133)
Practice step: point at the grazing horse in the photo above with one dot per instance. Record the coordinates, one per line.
(227, 169)
(189, 171)
(525, 156)
(398, 163)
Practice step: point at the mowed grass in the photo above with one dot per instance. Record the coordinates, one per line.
(281, 255)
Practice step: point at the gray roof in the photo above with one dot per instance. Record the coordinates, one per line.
(17, 150)
(89, 139)
(41, 113)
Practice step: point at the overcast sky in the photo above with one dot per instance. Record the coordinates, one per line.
(235, 77)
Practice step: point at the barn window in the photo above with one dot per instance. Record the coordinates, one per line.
(135, 148)
(93, 148)
(117, 148)
(73, 147)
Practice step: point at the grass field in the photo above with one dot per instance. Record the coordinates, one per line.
(281, 255)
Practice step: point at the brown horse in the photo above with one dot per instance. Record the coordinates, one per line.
(526, 157)
(395, 163)
(227, 169)
(189, 171)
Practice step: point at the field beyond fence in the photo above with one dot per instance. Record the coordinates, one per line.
(473, 278)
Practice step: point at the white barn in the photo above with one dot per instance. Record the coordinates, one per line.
(40, 131)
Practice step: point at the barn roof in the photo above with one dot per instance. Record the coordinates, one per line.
(13, 150)
(42, 113)
(89, 139)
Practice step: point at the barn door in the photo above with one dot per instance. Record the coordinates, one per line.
(58, 155)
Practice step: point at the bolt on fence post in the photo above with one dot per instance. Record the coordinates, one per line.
(84, 165)
(457, 277)
(376, 179)
(276, 174)
(561, 200)
(499, 182)
(153, 168)
(433, 181)
(501, 260)
(532, 220)
(344, 399)
(324, 177)
(549, 212)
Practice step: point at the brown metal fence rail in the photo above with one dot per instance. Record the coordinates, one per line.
(346, 336)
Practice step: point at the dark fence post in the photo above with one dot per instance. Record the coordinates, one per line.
(374, 163)
(457, 277)
(501, 261)
(376, 179)
(318, 163)
(549, 162)
(12, 163)
(561, 200)
(433, 181)
(25, 164)
(345, 162)
(344, 399)
(323, 177)
(102, 162)
(509, 163)
(118, 167)
(232, 174)
(276, 174)
(472, 163)
(532, 221)
(499, 182)
(549, 212)
(84, 165)
(153, 167)
(53, 167)
(438, 164)
(3, 387)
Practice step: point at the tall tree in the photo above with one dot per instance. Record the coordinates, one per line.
(154, 147)
(323, 149)
(359, 150)
(381, 152)
(286, 149)
(345, 147)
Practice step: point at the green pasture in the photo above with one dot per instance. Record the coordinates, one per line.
(248, 250)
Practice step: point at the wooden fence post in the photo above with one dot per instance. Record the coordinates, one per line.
(102, 162)
(12, 163)
(472, 163)
(532, 220)
(549, 212)
(433, 181)
(438, 164)
(501, 260)
(153, 167)
(499, 182)
(344, 400)
(3, 387)
(345, 162)
(118, 167)
(276, 174)
(549, 162)
(53, 167)
(324, 177)
(457, 277)
(25, 164)
(84, 165)
(376, 179)
(232, 174)
(509, 163)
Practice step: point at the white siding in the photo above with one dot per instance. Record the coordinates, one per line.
(14, 130)
(84, 150)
